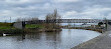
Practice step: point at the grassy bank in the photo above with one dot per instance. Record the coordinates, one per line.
(9, 29)
(6, 26)
(88, 28)
(34, 26)
(39, 28)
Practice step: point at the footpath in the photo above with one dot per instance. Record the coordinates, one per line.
(101, 42)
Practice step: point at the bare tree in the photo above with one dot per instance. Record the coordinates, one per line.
(18, 20)
(34, 19)
(27, 19)
(53, 16)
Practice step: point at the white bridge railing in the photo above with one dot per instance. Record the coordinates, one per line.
(65, 21)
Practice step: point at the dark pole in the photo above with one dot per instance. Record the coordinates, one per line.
(106, 21)
(23, 24)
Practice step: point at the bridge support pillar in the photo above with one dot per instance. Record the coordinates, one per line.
(108, 25)
(19, 25)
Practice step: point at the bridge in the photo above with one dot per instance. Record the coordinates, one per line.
(21, 25)
(65, 21)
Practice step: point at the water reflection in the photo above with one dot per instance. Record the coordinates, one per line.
(65, 39)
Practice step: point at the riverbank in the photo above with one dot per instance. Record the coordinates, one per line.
(40, 28)
(20, 31)
(11, 31)
(7, 28)
(88, 28)
(100, 42)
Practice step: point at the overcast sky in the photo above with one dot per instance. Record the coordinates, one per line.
(70, 9)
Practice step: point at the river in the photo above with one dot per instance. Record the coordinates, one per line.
(65, 39)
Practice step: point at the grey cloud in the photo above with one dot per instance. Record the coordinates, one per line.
(39, 8)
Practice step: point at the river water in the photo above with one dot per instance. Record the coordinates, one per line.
(65, 39)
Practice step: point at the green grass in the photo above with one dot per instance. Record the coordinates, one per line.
(6, 26)
(34, 26)
(11, 31)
